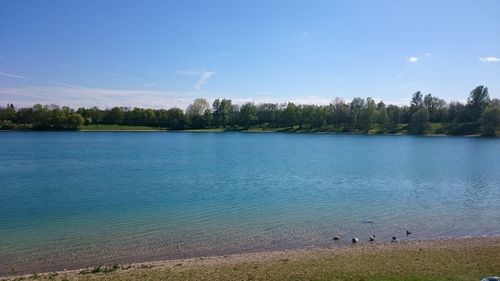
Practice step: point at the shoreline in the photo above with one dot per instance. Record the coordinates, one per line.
(453, 247)
(253, 131)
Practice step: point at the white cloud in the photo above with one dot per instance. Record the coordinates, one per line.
(88, 97)
(15, 76)
(204, 76)
(412, 59)
(76, 96)
(489, 59)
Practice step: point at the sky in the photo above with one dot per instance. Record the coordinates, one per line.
(161, 54)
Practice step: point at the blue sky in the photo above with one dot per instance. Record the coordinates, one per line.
(166, 53)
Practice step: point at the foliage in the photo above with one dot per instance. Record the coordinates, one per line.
(419, 122)
(490, 120)
(478, 115)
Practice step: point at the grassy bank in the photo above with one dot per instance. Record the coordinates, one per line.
(457, 259)
(104, 127)
(434, 129)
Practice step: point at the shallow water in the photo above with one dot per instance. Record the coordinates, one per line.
(73, 199)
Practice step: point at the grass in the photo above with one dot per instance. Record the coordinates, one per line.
(104, 127)
(210, 130)
(460, 260)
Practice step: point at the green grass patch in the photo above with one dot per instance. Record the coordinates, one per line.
(459, 260)
(104, 127)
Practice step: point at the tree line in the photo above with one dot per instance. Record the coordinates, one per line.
(479, 114)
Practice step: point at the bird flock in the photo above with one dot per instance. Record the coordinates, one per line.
(355, 240)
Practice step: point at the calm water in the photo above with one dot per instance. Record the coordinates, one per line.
(79, 198)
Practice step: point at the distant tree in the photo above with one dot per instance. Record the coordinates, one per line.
(382, 118)
(222, 112)
(207, 118)
(75, 121)
(478, 115)
(115, 116)
(8, 113)
(456, 112)
(291, 115)
(339, 113)
(149, 117)
(416, 102)
(41, 117)
(436, 107)
(490, 120)
(268, 114)
(248, 114)
(198, 107)
(357, 105)
(367, 116)
(25, 115)
(176, 119)
(95, 115)
(478, 100)
(419, 122)
(162, 117)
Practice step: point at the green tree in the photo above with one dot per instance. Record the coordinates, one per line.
(339, 114)
(435, 106)
(357, 105)
(222, 111)
(382, 118)
(115, 115)
(75, 121)
(490, 120)
(367, 115)
(477, 102)
(291, 115)
(176, 119)
(248, 114)
(419, 122)
(416, 102)
(8, 113)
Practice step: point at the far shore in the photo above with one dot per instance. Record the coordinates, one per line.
(445, 259)
(123, 128)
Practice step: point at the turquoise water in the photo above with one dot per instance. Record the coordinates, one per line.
(73, 199)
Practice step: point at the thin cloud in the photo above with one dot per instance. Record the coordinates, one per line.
(67, 85)
(489, 59)
(121, 75)
(412, 59)
(14, 76)
(428, 55)
(149, 84)
(106, 98)
(89, 97)
(401, 74)
(204, 76)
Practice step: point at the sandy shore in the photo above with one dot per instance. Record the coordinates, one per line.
(465, 256)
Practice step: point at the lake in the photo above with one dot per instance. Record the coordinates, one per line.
(76, 199)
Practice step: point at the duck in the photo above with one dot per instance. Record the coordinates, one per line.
(408, 232)
(336, 237)
(355, 240)
(394, 239)
(372, 238)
